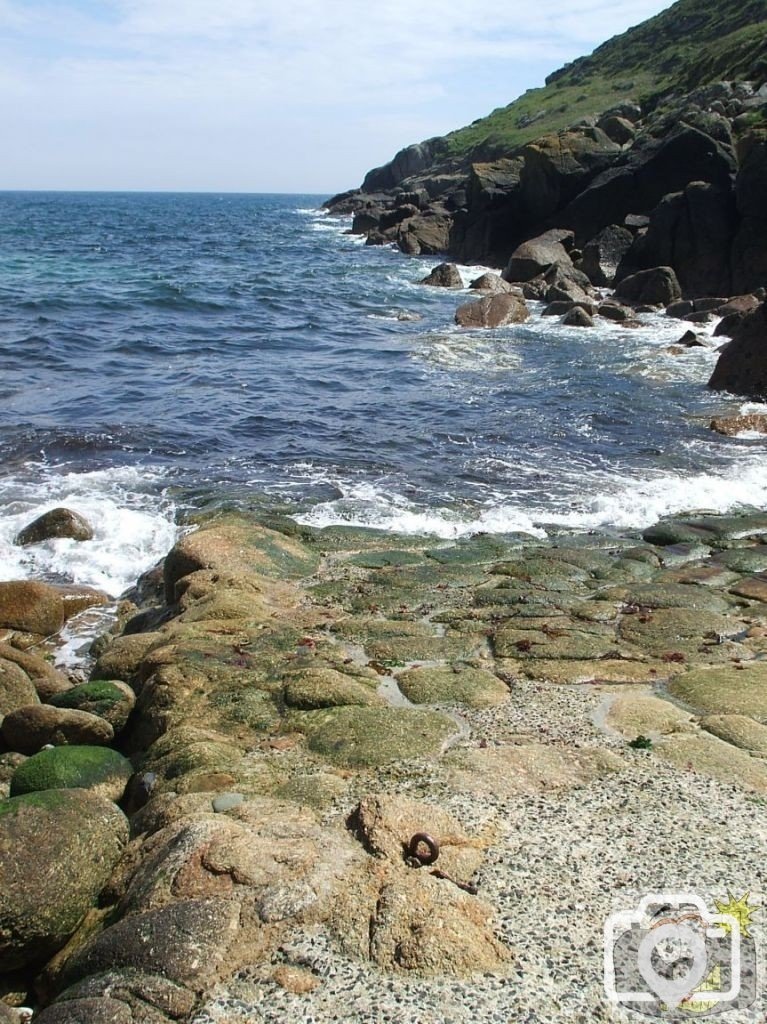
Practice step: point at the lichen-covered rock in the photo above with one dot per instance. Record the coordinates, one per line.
(57, 851)
(150, 997)
(740, 730)
(99, 769)
(123, 656)
(475, 687)
(109, 699)
(725, 689)
(508, 771)
(46, 680)
(430, 926)
(635, 715)
(386, 824)
(16, 689)
(58, 522)
(238, 544)
(710, 756)
(683, 631)
(361, 737)
(325, 688)
(100, 1010)
(187, 942)
(29, 729)
(31, 607)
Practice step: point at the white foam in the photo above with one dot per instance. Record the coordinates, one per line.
(626, 503)
(593, 499)
(132, 520)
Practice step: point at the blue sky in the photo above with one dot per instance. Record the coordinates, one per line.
(264, 95)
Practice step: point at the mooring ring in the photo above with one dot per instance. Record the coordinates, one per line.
(423, 839)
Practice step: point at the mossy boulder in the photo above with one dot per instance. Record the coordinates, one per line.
(725, 689)
(109, 699)
(676, 595)
(325, 688)
(357, 737)
(474, 687)
(98, 769)
(57, 850)
(123, 656)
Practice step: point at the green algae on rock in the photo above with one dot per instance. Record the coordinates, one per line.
(236, 543)
(725, 689)
(460, 684)
(98, 769)
(44, 836)
(358, 737)
(324, 688)
(108, 699)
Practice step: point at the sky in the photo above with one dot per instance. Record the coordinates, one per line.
(264, 95)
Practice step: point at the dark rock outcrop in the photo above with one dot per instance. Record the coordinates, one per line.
(603, 254)
(742, 366)
(537, 255)
(691, 231)
(638, 181)
(655, 287)
(749, 248)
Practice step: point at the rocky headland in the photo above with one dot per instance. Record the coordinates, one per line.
(285, 710)
(641, 168)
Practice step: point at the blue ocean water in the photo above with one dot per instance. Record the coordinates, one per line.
(170, 351)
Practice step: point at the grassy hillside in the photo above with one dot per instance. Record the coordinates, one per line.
(693, 43)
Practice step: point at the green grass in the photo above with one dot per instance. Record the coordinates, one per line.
(691, 44)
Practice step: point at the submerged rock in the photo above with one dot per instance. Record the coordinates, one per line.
(730, 426)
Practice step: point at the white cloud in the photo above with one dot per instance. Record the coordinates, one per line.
(187, 72)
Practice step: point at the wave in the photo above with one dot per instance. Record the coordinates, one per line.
(131, 515)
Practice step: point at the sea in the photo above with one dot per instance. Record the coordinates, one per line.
(166, 353)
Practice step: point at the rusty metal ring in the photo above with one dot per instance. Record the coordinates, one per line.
(423, 839)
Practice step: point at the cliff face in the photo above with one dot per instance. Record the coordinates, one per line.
(677, 100)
